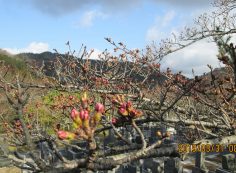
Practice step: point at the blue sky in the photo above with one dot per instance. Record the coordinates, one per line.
(42, 25)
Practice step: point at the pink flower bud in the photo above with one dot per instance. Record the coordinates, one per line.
(114, 120)
(62, 134)
(74, 114)
(99, 108)
(129, 104)
(135, 113)
(123, 111)
(65, 135)
(81, 114)
(84, 115)
(123, 105)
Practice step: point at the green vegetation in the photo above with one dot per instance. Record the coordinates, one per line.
(13, 62)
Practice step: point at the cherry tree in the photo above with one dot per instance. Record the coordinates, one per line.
(123, 90)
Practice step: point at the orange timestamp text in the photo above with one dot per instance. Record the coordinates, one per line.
(188, 148)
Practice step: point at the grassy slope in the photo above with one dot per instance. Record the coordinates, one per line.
(14, 65)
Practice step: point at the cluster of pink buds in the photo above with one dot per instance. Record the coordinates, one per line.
(84, 115)
(82, 120)
(126, 109)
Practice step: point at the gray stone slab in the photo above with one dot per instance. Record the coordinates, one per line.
(172, 165)
(198, 170)
(229, 162)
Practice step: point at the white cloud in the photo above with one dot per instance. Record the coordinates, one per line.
(158, 30)
(95, 54)
(88, 18)
(34, 47)
(196, 57)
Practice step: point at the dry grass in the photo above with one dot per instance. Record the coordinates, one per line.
(10, 170)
